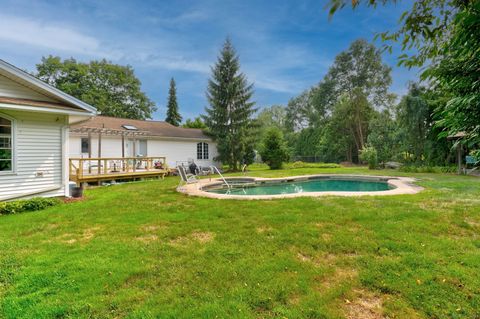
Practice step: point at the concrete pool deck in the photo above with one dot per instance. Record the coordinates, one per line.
(403, 185)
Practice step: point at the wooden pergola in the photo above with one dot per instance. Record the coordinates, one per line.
(107, 131)
(101, 169)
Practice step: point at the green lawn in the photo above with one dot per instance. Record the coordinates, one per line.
(142, 250)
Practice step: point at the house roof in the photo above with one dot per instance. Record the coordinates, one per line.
(28, 80)
(149, 128)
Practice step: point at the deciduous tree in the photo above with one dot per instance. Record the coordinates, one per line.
(113, 89)
(195, 123)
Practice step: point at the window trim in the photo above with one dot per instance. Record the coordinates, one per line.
(205, 150)
(201, 151)
(81, 146)
(13, 142)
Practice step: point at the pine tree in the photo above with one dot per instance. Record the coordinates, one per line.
(229, 117)
(173, 116)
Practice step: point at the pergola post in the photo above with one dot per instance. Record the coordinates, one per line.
(89, 152)
(99, 151)
(123, 152)
(134, 154)
(123, 145)
(459, 158)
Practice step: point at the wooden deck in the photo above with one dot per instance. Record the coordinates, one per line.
(94, 170)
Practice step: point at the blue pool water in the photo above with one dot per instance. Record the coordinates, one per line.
(320, 185)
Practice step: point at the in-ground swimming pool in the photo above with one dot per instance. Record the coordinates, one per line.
(309, 185)
(292, 187)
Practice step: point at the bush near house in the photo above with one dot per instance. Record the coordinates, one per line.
(27, 205)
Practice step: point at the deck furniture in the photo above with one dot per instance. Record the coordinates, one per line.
(471, 161)
(185, 177)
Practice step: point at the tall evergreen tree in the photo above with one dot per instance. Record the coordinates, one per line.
(173, 116)
(229, 116)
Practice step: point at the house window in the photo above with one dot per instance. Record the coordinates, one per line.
(6, 150)
(202, 151)
(85, 145)
(205, 151)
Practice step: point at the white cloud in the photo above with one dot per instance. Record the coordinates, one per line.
(280, 67)
(186, 18)
(175, 62)
(55, 37)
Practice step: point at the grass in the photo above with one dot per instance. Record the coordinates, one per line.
(142, 250)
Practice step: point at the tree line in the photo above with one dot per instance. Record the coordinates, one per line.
(350, 115)
(352, 108)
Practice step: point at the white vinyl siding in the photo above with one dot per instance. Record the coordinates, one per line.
(12, 89)
(37, 155)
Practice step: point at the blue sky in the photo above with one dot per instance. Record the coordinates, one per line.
(284, 46)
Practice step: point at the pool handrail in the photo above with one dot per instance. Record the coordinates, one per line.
(214, 168)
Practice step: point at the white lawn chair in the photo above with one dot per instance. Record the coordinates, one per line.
(185, 177)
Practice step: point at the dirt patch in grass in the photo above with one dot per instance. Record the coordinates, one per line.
(68, 200)
(151, 228)
(326, 237)
(87, 235)
(334, 259)
(365, 305)
(304, 258)
(264, 229)
(199, 237)
(448, 205)
(294, 300)
(203, 237)
(147, 238)
(340, 275)
(472, 222)
(51, 226)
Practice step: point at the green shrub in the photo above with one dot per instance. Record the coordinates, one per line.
(27, 205)
(369, 154)
(300, 164)
(274, 151)
(475, 154)
(428, 169)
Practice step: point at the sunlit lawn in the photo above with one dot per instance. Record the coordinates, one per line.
(142, 250)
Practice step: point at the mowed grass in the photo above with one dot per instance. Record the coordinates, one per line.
(142, 250)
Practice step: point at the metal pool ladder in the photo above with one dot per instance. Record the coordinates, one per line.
(214, 168)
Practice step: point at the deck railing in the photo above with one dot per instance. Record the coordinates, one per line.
(103, 168)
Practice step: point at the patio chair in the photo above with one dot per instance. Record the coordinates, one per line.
(473, 163)
(185, 177)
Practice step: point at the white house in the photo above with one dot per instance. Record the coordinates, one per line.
(34, 121)
(110, 137)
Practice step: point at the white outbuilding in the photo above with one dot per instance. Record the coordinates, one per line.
(110, 137)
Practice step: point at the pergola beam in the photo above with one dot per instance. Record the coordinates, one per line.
(107, 131)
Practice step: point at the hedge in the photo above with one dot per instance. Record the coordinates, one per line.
(27, 205)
